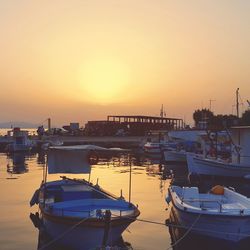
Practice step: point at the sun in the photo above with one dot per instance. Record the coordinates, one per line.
(104, 81)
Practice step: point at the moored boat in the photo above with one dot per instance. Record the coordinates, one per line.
(154, 147)
(237, 165)
(222, 213)
(174, 156)
(76, 213)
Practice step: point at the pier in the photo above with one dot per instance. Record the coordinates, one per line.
(102, 141)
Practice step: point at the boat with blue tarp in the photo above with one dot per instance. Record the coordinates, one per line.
(75, 212)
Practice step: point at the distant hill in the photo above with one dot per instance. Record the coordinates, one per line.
(18, 124)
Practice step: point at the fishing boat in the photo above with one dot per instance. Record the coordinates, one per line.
(20, 141)
(76, 213)
(51, 143)
(154, 147)
(238, 165)
(183, 141)
(222, 213)
(172, 155)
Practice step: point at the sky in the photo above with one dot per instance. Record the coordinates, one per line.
(81, 60)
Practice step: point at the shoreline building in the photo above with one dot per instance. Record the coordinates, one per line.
(131, 125)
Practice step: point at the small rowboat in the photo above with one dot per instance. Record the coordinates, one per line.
(221, 213)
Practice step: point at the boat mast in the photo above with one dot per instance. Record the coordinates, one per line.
(130, 178)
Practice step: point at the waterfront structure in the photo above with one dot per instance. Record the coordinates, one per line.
(132, 125)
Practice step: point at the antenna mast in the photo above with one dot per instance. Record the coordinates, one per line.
(210, 104)
(237, 102)
(162, 111)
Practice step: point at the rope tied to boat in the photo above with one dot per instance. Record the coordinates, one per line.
(192, 227)
(164, 224)
(186, 233)
(63, 234)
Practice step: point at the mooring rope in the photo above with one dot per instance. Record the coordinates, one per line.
(63, 234)
(164, 224)
(184, 235)
(151, 222)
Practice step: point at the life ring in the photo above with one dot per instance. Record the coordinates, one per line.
(92, 158)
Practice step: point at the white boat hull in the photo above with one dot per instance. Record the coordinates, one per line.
(175, 156)
(233, 228)
(212, 167)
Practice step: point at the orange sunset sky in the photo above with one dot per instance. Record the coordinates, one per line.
(82, 60)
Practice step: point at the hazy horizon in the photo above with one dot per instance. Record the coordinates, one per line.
(75, 61)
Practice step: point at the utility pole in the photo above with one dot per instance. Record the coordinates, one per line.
(210, 104)
(237, 102)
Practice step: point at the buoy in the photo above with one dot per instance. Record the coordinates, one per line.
(218, 189)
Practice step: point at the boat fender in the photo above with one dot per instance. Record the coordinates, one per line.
(218, 190)
(168, 199)
(36, 220)
(92, 158)
(35, 198)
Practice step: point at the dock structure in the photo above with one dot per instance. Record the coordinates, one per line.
(173, 123)
(132, 125)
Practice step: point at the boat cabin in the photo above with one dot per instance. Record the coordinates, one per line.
(241, 139)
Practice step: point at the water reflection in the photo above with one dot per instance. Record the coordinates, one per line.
(45, 242)
(41, 157)
(16, 163)
(149, 187)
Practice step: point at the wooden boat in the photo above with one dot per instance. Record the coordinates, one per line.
(76, 213)
(222, 213)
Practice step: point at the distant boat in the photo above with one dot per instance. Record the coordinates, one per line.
(236, 166)
(20, 141)
(222, 213)
(154, 147)
(76, 213)
(183, 141)
(50, 143)
(172, 155)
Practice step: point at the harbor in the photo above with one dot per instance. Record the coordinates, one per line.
(124, 125)
(21, 185)
(197, 178)
(21, 173)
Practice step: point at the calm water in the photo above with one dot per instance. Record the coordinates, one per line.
(21, 174)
